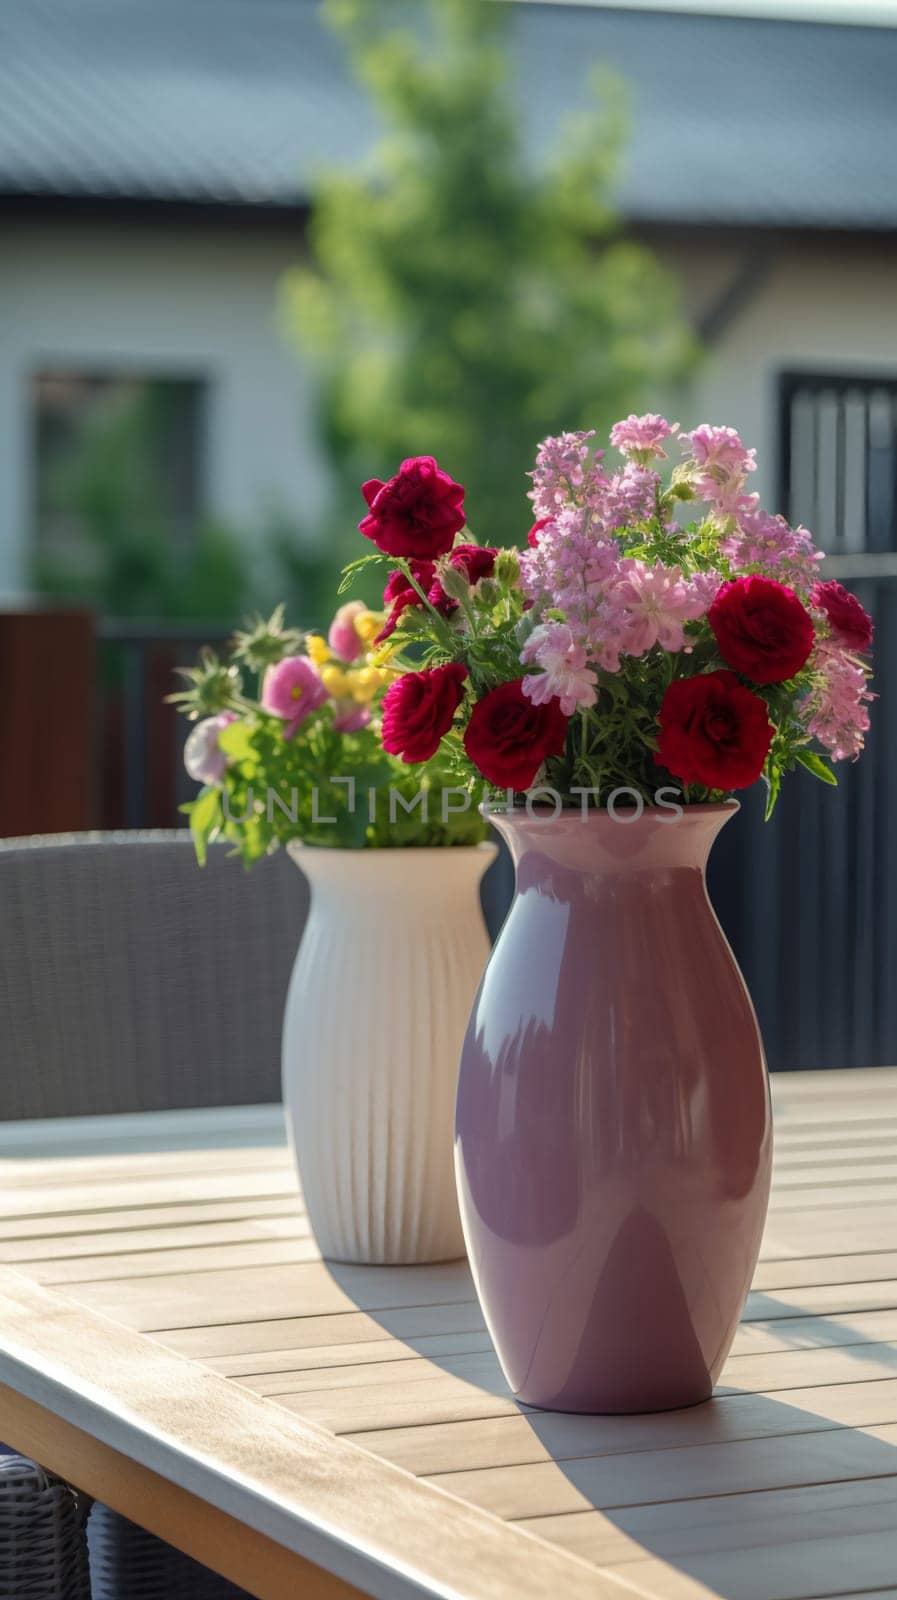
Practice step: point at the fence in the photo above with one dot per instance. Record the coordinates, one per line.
(140, 777)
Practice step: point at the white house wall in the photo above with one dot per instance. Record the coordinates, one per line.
(202, 301)
(821, 307)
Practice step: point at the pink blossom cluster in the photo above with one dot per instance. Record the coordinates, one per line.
(759, 542)
(591, 603)
(753, 541)
(629, 496)
(612, 605)
(567, 472)
(717, 465)
(834, 711)
(569, 565)
(642, 437)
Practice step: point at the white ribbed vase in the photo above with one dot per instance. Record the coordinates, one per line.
(377, 1008)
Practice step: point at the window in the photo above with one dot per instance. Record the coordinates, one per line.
(839, 460)
(116, 459)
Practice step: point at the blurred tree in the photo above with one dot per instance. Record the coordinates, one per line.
(304, 574)
(461, 302)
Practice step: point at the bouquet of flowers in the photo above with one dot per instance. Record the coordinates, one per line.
(302, 757)
(628, 651)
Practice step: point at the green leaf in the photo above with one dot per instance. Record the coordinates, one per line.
(815, 764)
(205, 820)
(236, 741)
(773, 781)
(351, 571)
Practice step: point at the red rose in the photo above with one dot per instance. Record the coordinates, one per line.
(851, 625)
(762, 629)
(399, 594)
(475, 560)
(417, 513)
(532, 537)
(713, 731)
(508, 737)
(419, 708)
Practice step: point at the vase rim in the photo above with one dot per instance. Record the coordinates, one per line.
(614, 841)
(297, 848)
(544, 814)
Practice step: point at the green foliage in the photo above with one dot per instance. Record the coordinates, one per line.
(329, 789)
(316, 784)
(815, 764)
(304, 571)
(212, 686)
(462, 302)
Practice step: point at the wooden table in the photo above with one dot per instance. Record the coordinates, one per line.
(171, 1342)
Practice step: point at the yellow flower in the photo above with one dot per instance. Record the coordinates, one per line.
(368, 624)
(317, 649)
(336, 681)
(364, 685)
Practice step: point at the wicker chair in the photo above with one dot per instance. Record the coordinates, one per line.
(127, 1563)
(130, 981)
(43, 1549)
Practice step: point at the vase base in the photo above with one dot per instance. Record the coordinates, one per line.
(330, 1260)
(630, 1407)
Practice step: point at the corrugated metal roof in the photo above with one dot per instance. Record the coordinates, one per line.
(735, 121)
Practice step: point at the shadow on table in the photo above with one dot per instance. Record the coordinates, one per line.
(750, 1494)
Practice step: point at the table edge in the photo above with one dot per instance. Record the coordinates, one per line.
(63, 1357)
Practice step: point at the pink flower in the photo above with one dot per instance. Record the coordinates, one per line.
(293, 690)
(342, 638)
(659, 601)
(349, 717)
(203, 757)
(719, 465)
(565, 675)
(642, 437)
(834, 711)
(705, 586)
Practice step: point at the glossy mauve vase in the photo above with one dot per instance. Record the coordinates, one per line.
(613, 1134)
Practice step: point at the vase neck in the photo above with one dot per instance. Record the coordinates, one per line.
(393, 880)
(601, 843)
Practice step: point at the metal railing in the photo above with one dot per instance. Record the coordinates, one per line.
(141, 778)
